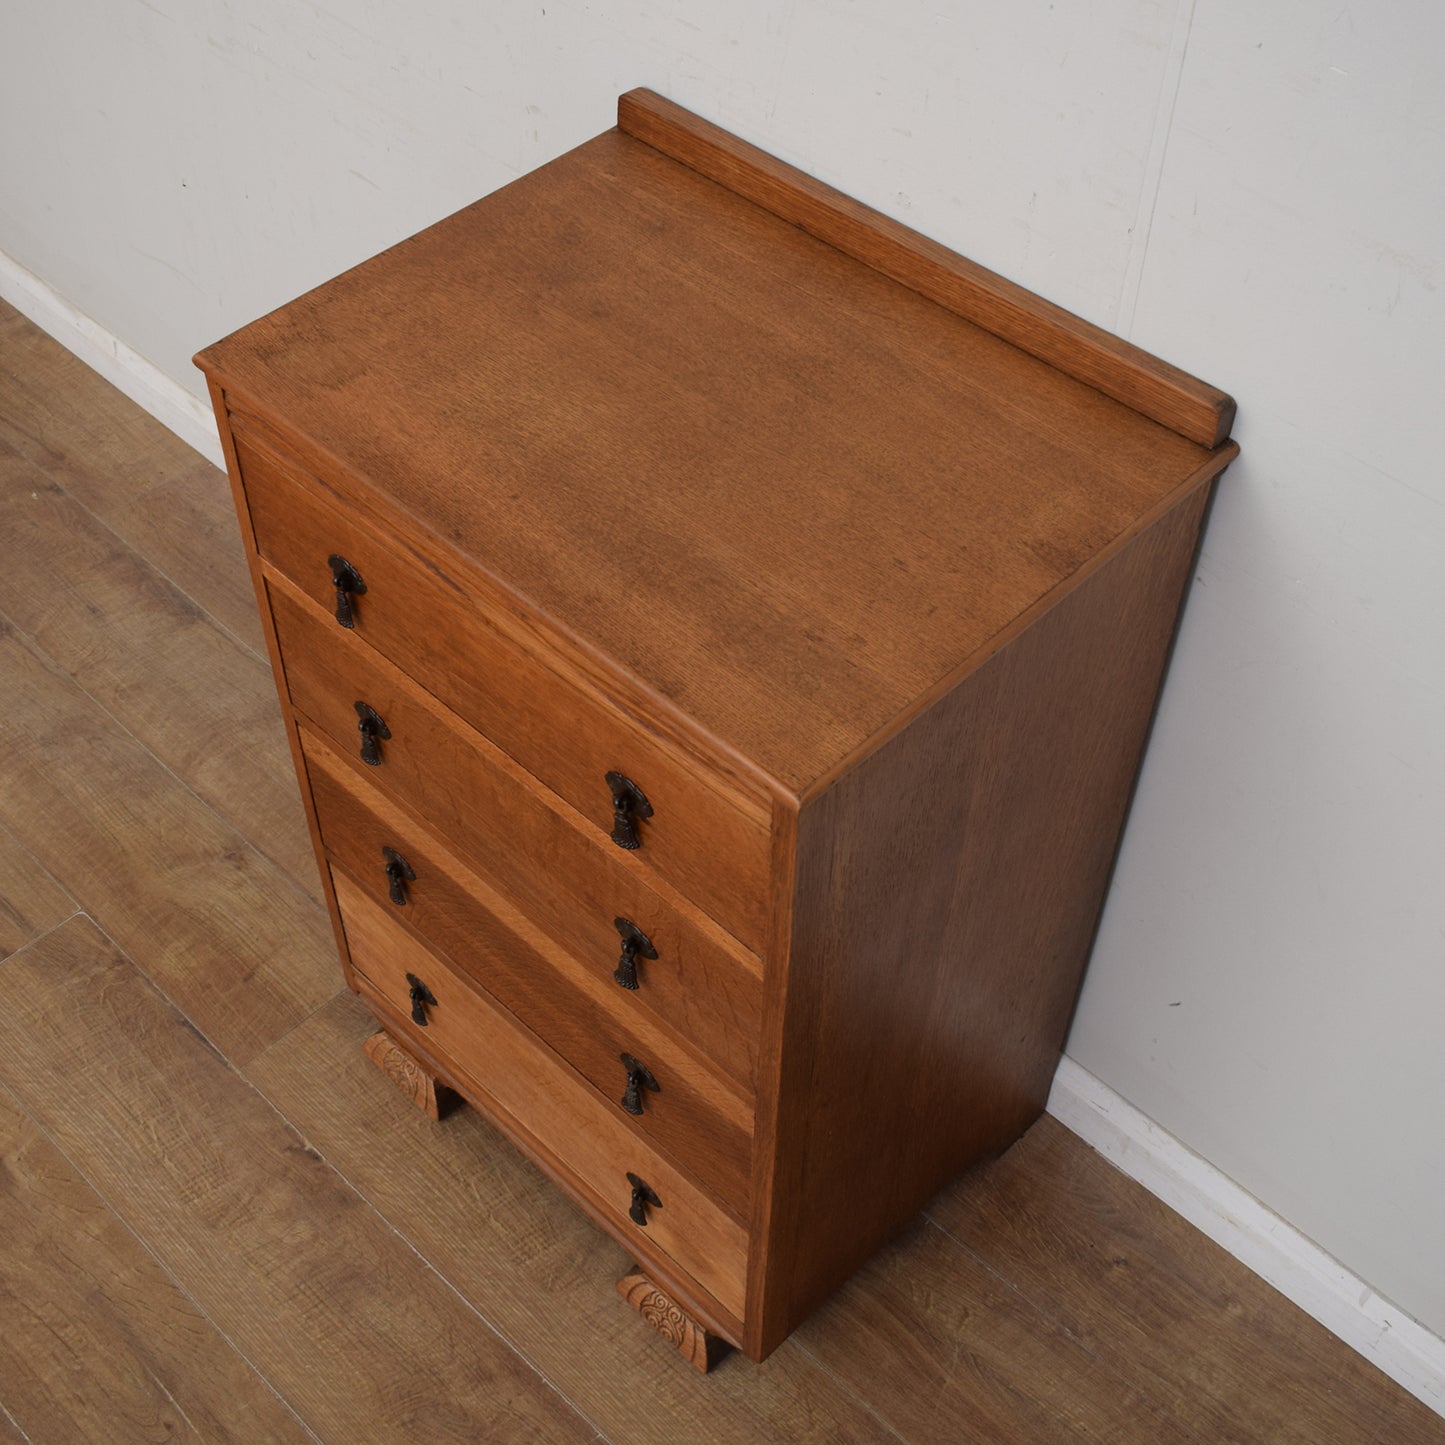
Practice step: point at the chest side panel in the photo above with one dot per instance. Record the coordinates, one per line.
(947, 891)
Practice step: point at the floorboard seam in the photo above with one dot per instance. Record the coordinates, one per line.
(160, 571)
(842, 1384)
(20, 843)
(792, 1343)
(41, 937)
(365, 1198)
(240, 1072)
(48, 661)
(154, 1258)
(301, 1137)
(1132, 1383)
(14, 1423)
(244, 1068)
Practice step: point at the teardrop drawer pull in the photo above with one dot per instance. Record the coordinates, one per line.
(629, 803)
(643, 1198)
(635, 944)
(373, 729)
(398, 875)
(421, 998)
(347, 581)
(639, 1077)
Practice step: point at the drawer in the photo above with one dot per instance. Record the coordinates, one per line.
(707, 838)
(700, 996)
(693, 1116)
(558, 1114)
(520, 838)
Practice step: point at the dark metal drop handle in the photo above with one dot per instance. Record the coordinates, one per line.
(635, 944)
(639, 1077)
(347, 581)
(422, 998)
(374, 731)
(643, 1198)
(398, 875)
(629, 803)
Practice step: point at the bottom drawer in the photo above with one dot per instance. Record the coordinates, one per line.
(543, 1100)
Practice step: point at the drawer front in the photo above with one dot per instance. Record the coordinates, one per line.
(582, 1014)
(705, 837)
(516, 834)
(547, 1102)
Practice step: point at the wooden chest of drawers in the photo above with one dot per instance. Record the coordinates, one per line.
(718, 630)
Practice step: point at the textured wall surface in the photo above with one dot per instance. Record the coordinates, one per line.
(1254, 192)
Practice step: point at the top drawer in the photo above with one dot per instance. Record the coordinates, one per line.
(709, 840)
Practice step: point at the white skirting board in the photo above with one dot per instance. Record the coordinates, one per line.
(1191, 1186)
(141, 380)
(1234, 1219)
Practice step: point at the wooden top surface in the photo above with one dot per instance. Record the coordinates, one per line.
(787, 493)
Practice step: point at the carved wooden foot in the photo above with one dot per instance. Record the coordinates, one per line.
(689, 1338)
(420, 1086)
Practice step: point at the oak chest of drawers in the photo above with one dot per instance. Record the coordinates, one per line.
(718, 630)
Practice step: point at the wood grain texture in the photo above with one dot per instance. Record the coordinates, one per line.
(528, 1092)
(207, 707)
(31, 901)
(1150, 386)
(413, 1080)
(318, 1293)
(100, 1343)
(578, 661)
(830, 521)
(1051, 1224)
(787, 501)
(1150, 1297)
(163, 499)
(531, 1261)
(947, 893)
(709, 1005)
(219, 929)
(952, 1352)
(471, 651)
(86, 435)
(185, 527)
(692, 1117)
(700, 1349)
(565, 874)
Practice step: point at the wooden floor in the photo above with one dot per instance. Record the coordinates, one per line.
(217, 1219)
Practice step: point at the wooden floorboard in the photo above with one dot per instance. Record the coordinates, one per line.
(210, 1193)
(203, 703)
(10, 1433)
(133, 474)
(87, 436)
(951, 1352)
(31, 901)
(186, 526)
(220, 928)
(99, 1342)
(1143, 1290)
(531, 1262)
(326, 1301)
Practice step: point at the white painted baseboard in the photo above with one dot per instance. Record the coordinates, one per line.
(142, 381)
(1299, 1269)
(1189, 1185)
